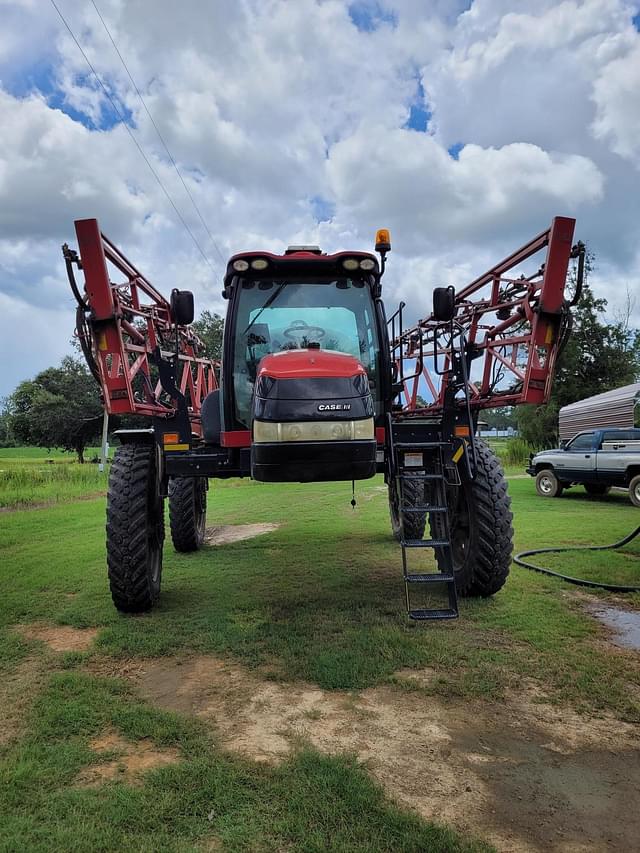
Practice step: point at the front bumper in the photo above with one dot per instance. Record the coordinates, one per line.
(530, 470)
(313, 461)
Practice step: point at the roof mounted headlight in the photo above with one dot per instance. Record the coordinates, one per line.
(350, 264)
(241, 265)
(367, 264)
(259, 264)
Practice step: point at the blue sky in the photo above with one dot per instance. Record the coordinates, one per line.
(463, 127)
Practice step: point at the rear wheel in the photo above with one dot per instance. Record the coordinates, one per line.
(634, 490)
(480, 528)
(135, 528)
(596, 489)
(414, 523)
(187, 512)
(547, 484)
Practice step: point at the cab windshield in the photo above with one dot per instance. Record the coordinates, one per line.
(274, 316)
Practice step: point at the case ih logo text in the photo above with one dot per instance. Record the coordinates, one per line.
(334, 407)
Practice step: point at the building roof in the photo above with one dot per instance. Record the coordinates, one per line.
(614, 408)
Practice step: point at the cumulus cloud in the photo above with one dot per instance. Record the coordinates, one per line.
(292, 122)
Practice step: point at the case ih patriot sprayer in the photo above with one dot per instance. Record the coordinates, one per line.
(317, 384)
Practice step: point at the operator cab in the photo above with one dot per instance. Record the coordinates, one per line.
(305, 347)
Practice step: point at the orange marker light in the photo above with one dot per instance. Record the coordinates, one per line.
(170, 438)
(383, 240)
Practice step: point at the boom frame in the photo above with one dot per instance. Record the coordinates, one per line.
(146, 364)
(518, 326)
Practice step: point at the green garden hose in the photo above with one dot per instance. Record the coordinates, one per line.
(579, 581)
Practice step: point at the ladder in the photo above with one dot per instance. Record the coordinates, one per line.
(420, 456)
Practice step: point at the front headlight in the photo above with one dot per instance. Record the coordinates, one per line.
(270, 431)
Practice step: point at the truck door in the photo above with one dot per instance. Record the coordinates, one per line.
(579, 458)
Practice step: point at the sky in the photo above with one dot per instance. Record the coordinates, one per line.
(463, 127)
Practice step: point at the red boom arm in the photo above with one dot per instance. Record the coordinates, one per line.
(512, 328)
(127, 331)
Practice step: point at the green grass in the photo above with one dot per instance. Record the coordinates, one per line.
(29, 476)
(320, 599)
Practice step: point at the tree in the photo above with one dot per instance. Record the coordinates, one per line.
(209, 329)
(500, 418)
(59, 408)
(6, 434)
(599, 356)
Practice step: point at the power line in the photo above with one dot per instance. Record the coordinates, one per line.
(160, 136)
(129, 131)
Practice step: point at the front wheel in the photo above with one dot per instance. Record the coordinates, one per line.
(634, 490)
(480, 529)
(135, 528)
(547, 484)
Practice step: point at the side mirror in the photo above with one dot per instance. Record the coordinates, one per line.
(444, 303)
(182, 310)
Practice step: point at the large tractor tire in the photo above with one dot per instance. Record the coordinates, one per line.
(135, 528)
(414, 523)
(187, 512)
(480, 528)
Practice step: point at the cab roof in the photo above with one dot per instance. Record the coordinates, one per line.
(299, 261)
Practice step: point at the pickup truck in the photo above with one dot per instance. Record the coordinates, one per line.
(597, 460)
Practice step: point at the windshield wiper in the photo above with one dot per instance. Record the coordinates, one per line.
(266, 305)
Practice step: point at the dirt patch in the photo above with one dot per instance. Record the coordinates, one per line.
(131, 760)
(60, 638)
(18, 690)
(524, 774)
(228, 533)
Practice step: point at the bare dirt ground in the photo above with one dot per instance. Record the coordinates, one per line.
(228, 533)
(59, 638)
(524, 774)
(129, 763)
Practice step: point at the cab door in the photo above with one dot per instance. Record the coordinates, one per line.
(579, 458)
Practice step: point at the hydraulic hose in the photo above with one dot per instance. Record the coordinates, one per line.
(579, 581)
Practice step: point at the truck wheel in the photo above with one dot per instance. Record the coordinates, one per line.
(596, 489)
(135, 528)
(187, 512)
(634, 490)
(414, 522)
(547, 484)
(480, 528)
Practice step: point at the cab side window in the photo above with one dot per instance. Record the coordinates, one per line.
(582, 442)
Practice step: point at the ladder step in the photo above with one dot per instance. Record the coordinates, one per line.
(421, 476)
(425, 543)
(420, 445)
(438, 577)
(448, 613)
(423, 509)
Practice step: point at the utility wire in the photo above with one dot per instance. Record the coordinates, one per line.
(160, 136)
(129, 131)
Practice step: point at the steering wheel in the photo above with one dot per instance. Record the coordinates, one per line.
(299, 329)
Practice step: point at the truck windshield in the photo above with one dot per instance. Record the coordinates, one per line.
(274, 316)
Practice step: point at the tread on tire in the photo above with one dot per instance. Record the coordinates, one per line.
(135, 529)
(187, 512)
(481, 530)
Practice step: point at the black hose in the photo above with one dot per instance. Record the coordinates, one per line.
(579, 581)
